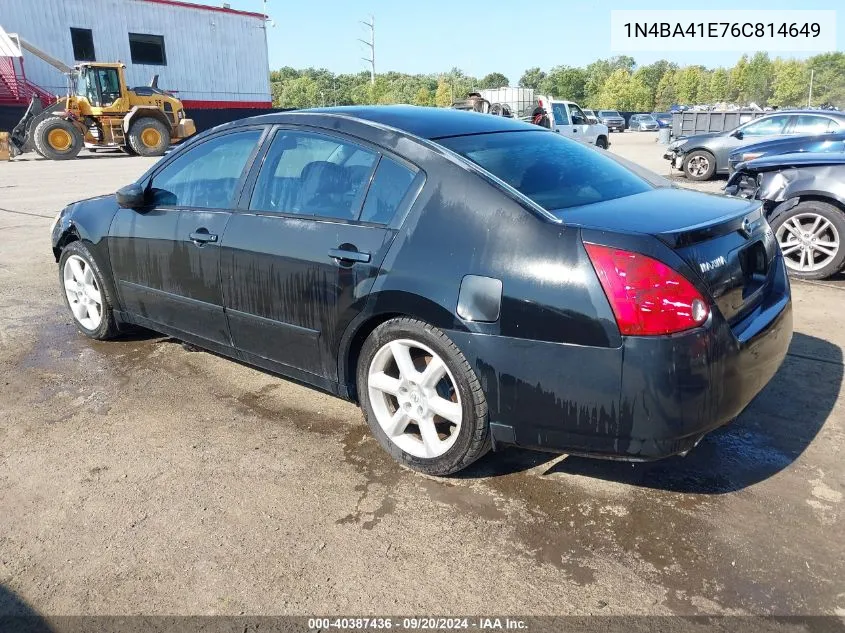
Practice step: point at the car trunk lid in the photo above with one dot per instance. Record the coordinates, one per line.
(726, 241)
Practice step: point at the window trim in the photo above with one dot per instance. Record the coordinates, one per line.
(402, 209)
(147, 179)
(89, 32)
(148, 36)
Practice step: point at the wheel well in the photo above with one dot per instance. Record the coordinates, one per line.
(69, 236)
(817, 198)
(356, 343)
(144, 113)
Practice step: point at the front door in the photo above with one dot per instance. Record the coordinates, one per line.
(166, 257)
(299, 263)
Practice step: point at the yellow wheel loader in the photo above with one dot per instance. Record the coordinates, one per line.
(100, 112)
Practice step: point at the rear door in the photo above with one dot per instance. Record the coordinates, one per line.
(166, 257)
(301, 255)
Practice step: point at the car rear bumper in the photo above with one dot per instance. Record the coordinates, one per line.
(651, 398)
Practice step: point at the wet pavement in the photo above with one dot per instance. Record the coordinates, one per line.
(144, 476)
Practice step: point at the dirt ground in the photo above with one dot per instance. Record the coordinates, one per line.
(140, 477)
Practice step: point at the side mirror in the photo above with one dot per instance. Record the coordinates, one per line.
(737, 134)
(131, 196)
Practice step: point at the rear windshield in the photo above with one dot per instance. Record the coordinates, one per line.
(555, 172)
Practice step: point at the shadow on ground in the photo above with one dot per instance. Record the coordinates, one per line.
(19, 617)
(767, 437)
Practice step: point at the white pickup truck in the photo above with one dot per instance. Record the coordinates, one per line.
(567, 117)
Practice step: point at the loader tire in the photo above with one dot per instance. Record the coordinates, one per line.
(149, 137)
(57, 139)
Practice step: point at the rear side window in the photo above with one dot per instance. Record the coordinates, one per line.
(315, 175)
(206, 175)
(555, 172)
(390, 185)
(561, 116)
(810, 124)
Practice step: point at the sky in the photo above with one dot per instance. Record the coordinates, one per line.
(477, 36)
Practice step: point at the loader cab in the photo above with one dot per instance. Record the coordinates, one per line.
(101, 85)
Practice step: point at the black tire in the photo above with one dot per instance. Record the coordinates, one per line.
(697, 158)
(601, 142)
(473, 437)
(144, 146)
(46, 134)
(107, 328)
(829, 212)
(126, 149)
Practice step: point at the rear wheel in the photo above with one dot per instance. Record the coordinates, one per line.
(811, 237)
(421, 399)
(149, 137)
(699, 165)
(57, 139)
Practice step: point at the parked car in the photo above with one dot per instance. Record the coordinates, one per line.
(612, 119)
(469, 280)
(567, 118)
(591, 115)
(702, 156)
(803, 196)
(664, 119)
(832, 142)
(642, 123)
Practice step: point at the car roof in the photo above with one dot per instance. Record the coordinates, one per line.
(833, 113)
(424, 122)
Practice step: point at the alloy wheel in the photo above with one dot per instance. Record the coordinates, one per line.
(698, 166)
(808, 242)
(83, 294)
(415, 398)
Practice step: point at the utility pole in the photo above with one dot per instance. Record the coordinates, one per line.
(810, 97)
(371, 60)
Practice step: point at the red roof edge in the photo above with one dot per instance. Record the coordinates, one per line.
(205, 7)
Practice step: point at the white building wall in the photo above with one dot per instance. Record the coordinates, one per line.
(211, 55)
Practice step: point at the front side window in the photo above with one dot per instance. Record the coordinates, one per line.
(315, 175)
(811, 124)
(147, 49)
(561, 116)
(206, 176)
(555, 172)
(577, 113)
(767, 126)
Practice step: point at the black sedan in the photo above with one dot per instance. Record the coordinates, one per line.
(818, 143)
(471, 281)
(803, 195)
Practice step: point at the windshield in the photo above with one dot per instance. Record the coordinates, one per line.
(555, 172)
(647, 118)
(608, 113)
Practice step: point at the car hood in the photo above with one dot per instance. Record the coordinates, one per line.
(695, 138)
(794, 159)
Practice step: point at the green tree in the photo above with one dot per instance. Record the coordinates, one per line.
(423, 97)
(565, 82)
(790, 83)
(719, 85)
(688, 82)
(622, 92)
(828, 79)
(443, 95)
(650, 76)
(737, 85)
(758, 79)
(301, 92)
(667, 90)
(494, 80)
(531, 78)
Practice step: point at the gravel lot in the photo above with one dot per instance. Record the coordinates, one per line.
(138, 476)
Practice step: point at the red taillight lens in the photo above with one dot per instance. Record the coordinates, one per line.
(647, 296)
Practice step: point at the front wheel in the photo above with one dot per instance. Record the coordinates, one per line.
(421, 399)
(602, 142)
(57, 139)
(810, 235)
(699, 165)
(85, 293)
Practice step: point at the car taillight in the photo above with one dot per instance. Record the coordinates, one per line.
(647, 296)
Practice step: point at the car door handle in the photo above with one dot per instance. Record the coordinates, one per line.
(202, 236)
(575, 129)
(349, 256)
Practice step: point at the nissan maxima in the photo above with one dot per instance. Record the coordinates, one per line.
(471, 281)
